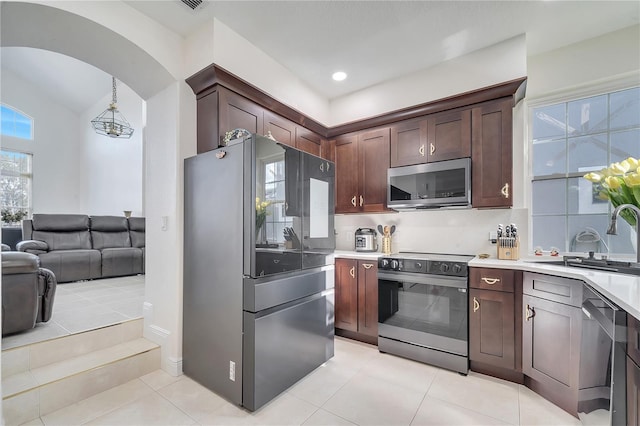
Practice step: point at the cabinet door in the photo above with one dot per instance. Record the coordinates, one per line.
(346, 311)
(491, 158)
(373, 155)
(633, 396)
(282, 130)
(308, 141)
(207, 117)
(409, 143)
(492, 328)
(551, 337)
(368, 298)
(236, 112)
(346, 160)
(449, 135)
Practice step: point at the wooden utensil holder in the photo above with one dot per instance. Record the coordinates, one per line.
(509, 248)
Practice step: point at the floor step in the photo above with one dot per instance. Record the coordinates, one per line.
(86, 368)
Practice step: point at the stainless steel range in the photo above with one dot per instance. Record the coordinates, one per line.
(422, 308)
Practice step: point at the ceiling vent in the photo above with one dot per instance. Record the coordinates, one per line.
(193, 4)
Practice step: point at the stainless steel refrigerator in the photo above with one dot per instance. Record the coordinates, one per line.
(258, 300)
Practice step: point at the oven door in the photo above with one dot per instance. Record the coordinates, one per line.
(424, 310)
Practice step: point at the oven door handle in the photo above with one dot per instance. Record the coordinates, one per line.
(426, 279)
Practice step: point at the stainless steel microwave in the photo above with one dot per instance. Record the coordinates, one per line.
(430, 185)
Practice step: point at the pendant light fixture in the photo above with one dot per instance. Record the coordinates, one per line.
(111, 122)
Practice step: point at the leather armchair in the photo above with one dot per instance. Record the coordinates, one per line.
(28, 292)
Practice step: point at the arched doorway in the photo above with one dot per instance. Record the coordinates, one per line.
(95, 33)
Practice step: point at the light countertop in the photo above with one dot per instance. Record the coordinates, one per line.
(358, 254)
(621, 289)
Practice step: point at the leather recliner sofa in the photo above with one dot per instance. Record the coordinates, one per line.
(28, 292)
(79, 247)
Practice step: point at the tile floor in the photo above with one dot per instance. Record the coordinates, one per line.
(85, 305)
(358, 386)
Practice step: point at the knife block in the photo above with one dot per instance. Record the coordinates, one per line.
(508, 248)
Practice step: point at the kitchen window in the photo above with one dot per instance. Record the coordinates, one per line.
(569, 139)
(274, 190)
(15, 123)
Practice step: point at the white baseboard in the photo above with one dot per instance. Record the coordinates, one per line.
(172, 366)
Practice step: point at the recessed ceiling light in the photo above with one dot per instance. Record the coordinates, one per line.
(339, 75)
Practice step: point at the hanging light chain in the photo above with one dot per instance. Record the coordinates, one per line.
(115, 96)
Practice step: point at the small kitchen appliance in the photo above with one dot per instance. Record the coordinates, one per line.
(366, 239)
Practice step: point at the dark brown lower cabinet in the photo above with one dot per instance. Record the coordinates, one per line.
(356, 311)
(495, 331)
(551, 336)
(491, 328)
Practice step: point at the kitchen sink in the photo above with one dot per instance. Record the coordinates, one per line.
(615, 266)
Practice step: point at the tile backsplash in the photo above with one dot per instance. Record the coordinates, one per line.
(456, 231)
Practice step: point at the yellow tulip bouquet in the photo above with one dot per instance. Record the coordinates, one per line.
(261, 212)
(620, 184)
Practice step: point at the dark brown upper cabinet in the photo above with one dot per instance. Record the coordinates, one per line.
(362, 161)
(308, 141)
(491, 154)
(436, 137)
(282, 130)
(449, 135)
(237, 112)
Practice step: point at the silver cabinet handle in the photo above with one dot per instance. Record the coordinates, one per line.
(530, 313)
(432, 149)
(328, 165)
(322, 167)
(421, 150)
(367, 265)
(353, 201)
(476, 304)
(352, 272)
(490, 281)
(361, 200)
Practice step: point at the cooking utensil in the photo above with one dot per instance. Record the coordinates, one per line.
(393, 229)
(380, 230)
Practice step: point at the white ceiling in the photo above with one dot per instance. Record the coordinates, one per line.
(371, 41)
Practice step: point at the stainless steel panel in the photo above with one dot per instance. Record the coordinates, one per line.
(426, 355)
(213, 262)
(285, 345)
(429, 340)
(434, 280)
(264, 293)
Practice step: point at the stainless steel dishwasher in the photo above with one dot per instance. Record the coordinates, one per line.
(602, 386)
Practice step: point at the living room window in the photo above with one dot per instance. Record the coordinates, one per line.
(568, 140)
(15, 181)
(15, 123)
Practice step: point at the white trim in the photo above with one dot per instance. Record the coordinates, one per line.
(594, 88)
(172, 366)
(159, 331)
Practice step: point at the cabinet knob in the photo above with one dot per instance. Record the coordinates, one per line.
(530, 313)
(505, 190)
(353, 201)
(490, 281)
(361, 200)
(352, 272)
(367, 265)
(476, 304)
(432, 149)
(421, 150)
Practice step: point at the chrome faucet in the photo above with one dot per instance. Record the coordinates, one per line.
(613, 226)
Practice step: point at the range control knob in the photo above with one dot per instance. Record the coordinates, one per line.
(384, 263)
(395, 264)
(444, 267)
(457, 268)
